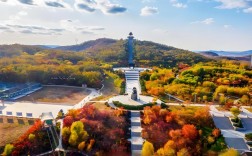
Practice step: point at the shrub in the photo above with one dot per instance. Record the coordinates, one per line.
(131, 107)
(216, 132)
(249, 136)
(235, 111)
(235, 120)
(148, 149)
(31, 137)
(230, 152)
(81, 146)
(68, 120)
(210, 139)
(8, 149)
(164, 106)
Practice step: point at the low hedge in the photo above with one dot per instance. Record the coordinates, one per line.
(248, 136)
(237, 122)
(132, 107)
(164, 106)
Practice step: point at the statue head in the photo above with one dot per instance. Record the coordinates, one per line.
(134, 90)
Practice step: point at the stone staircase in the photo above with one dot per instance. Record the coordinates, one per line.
(132, 80)
(136, 129)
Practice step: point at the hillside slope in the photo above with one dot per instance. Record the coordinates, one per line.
(146, 54)
(113, 52)
(88, 45)
(17, 49)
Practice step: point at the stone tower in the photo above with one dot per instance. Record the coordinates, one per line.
(130, 49)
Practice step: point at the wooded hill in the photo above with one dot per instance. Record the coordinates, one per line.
(113, 52)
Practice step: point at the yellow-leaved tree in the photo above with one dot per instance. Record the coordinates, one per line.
(230, 152)
(148, 149)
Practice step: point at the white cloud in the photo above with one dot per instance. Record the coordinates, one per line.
(147, 11)
(16, 17)
(105, 6)
(206, 21)
(232, 4)
(248, 10)
(38, 3)
(148, 1)
(22, 13)
(178, 4)
(77, 26)
(227, 26)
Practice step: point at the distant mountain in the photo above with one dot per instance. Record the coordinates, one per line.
(239, 56)
(230, 53)
(88, 45)
(17, 49)
(47, 46)
(209, 53)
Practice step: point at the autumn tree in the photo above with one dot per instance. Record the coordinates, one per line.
(78, 134)
(148, 149)
(230, 152)
(90, 145)
(81, 146)
(66, 132)
(31, 137)
(216, 132)
(190, 131)
(183, 152)
(202, 116)
(8, 149)
(68, 120)
(235, 111)
(245, 99)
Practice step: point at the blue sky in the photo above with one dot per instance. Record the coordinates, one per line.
(186, 24)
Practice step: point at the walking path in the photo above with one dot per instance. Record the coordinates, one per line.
(136, 129)
(94, 93)
(132, 80)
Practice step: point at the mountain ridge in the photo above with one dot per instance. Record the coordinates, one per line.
(229, 53)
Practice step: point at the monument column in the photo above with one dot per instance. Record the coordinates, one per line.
(130, 49)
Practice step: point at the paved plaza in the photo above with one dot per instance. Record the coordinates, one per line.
(35, 109)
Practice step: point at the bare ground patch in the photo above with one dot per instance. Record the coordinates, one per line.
(11, 128)
(58, 94)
